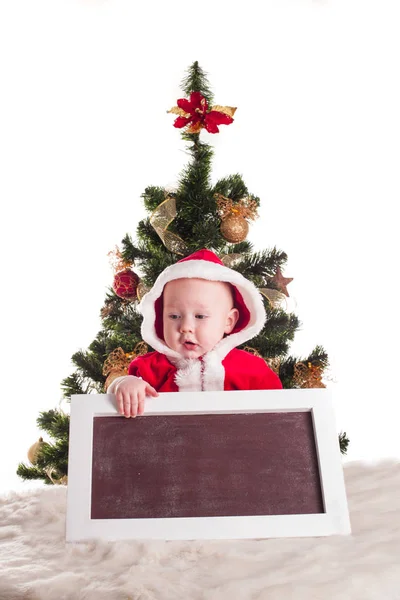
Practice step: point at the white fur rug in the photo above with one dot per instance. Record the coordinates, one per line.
(35, 563)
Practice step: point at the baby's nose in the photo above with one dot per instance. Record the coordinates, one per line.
(186, 325)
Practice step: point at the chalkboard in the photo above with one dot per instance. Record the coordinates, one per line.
(205, 466)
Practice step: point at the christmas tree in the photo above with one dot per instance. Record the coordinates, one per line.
(195, 215)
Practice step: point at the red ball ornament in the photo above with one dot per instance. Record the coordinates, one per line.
(125, 284)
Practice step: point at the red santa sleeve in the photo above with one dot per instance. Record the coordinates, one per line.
(154, 368)
(136, 368)
(262, 377)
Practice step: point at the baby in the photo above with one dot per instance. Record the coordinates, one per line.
(194, 316)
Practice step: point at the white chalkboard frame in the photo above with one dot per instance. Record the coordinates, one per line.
(335, 520)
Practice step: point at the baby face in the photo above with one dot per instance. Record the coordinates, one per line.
(196, 315)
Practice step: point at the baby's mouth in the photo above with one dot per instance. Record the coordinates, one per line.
(189, 345)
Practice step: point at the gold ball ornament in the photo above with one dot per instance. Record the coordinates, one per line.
(234, 228)
(34, 450)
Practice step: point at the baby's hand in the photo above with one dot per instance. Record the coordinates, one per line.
(130, 394)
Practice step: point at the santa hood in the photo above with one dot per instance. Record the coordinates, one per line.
(203, 264)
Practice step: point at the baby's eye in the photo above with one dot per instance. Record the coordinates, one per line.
(201, 316)
(173, 317)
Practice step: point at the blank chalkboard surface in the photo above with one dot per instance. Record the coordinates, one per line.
(205, 465)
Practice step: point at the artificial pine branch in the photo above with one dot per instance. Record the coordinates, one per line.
(28, 473)
(194, 197)
(90, 365)
(206, 233)
(99, 344)
(54, 422)
(118, 314)
(54, 455)
(74, 384)
(242, 248)
(147, 234)
(263, 264)
(196, 80)
(319, 357)
(233, 187)
(286, 371)
(153, 196)
(125, 341)
(160, 260)
(343, 442)
(130, 252)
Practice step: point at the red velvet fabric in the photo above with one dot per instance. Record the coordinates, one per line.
(243, 371)
(203, 254)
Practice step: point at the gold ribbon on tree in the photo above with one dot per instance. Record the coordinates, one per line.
(160, 219)
(141, 290)
(118, 361)
(58, 481)
(230, 260)
(275, 298)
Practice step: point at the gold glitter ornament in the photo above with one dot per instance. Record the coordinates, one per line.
(234, 216)
(234, 228)
(34, 450)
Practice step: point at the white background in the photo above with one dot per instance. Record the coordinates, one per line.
(85, 86)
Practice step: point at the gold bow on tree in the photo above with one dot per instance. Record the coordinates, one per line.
(160, 219)
(308, 375)
(118, 361)
(245, 208)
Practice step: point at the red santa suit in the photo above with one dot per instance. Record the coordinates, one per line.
(222, 368)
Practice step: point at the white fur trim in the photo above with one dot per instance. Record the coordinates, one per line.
(197, 375)
(214, 373)
(203, 269)
(188, 375)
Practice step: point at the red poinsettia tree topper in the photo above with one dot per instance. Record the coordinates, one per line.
(195, 115)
